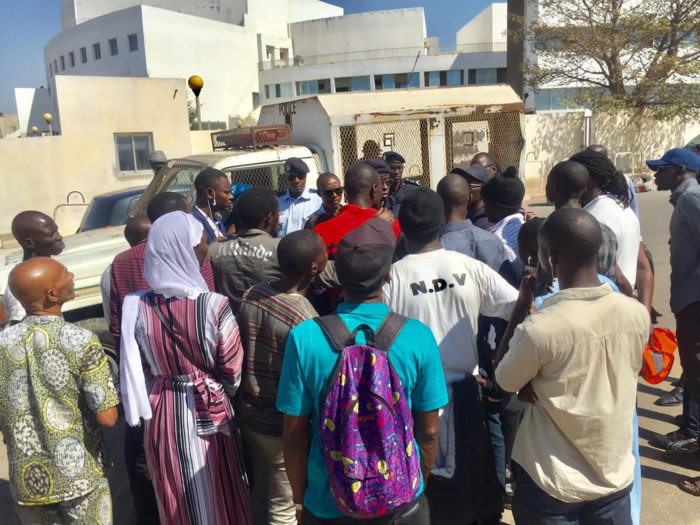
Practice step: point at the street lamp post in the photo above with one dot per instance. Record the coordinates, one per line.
(48, 118)
(196, 84)
(35, 130)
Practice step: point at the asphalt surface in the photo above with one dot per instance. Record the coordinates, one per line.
(663, 503)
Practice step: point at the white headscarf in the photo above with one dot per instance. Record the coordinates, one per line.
(170, 265)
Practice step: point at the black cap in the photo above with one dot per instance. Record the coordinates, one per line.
(392, 156)
(364, 256)
(505, 190)
(422, 215)
(379, 166)
(295, 165)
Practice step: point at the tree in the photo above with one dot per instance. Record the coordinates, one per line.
(191, 112)
(639, 55)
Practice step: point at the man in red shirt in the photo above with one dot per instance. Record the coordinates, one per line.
(363, 190)
(127, 277)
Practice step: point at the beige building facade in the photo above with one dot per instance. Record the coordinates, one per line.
(109, 127)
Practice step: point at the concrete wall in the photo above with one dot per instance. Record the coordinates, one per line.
(40, 172)
(226, 59)
(32, 104)
(9, 125)
(552, 137)
(486, 27)
(360, 32)
(76, 12)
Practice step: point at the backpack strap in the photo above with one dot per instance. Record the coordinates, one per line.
(335, 330)
(388, 331)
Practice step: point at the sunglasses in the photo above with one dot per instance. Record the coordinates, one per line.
(292, 176)
(330, 193)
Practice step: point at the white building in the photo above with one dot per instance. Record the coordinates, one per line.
(381, 50)
(215, 39)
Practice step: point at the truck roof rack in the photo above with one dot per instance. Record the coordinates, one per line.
(254, 137)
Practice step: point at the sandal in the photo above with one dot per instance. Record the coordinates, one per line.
(691, 486)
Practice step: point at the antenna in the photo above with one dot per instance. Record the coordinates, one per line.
(414, 68)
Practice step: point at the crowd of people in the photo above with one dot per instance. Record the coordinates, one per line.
(371, 351)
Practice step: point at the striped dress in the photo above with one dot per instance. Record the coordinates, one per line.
(192, 454)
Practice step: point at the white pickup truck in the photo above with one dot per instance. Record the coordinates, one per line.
(87, 254)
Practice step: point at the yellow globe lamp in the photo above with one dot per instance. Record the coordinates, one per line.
(239, 123)
(35, 130)
(196, 84)
(48, 118)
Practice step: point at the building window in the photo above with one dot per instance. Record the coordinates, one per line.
(453, 77)
(133, 43)
(71, 59)
(50, 69)
(96, 52)
(543, 100)
(63, 62)
(360, 83)
(55, 67)
(278, 90)
(113, 47)
(83, 55)
(345, 84)
(314, 87)
(133, 152)
(557, 100)
(488, 76)
(256, 99)
(284, 55)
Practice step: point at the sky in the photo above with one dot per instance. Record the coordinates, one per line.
(26, 26)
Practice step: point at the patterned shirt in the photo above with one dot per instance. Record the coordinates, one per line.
(54, 378)
(127, 277)
(507, 230)
(265, 320)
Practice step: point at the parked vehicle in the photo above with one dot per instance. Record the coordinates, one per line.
(89, 252)
(110, 209)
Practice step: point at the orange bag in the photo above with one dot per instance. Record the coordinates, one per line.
(658, 357)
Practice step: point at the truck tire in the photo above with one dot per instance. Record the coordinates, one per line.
(99, 327)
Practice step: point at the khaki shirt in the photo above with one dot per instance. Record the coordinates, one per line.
(582, 354)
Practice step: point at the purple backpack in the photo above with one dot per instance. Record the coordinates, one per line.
(365, 425)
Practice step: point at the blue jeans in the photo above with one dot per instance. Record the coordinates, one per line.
(691, 418)
(533, 506)
(498, 442)
(636, 494)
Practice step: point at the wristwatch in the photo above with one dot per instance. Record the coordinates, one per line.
(299, 507)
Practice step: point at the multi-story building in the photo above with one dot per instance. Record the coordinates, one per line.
(215, 39)
(378, 51)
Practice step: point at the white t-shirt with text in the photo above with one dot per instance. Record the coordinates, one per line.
(447, 291)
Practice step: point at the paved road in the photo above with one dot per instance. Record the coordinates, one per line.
(663, 502)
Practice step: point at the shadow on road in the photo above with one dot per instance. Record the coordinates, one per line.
(658, 416)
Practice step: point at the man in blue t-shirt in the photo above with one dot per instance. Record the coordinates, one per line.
(363, 261)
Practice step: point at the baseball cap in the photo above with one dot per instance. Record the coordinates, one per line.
(677, 157)
(364, 256)
(476, 171)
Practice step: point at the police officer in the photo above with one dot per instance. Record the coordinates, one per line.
(399, 187)
(298, 203)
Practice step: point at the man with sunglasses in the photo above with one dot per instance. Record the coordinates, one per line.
(476, 175)
(298, 203)
(399, 187)
(331, 192)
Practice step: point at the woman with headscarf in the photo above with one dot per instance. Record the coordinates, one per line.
(181, 359)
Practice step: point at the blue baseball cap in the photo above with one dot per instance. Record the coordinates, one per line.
(677, 157)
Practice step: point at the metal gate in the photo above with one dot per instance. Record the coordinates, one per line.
(496, 133)
(406, 137)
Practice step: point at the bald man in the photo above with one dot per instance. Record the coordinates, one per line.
(59, 390)
(37, 234)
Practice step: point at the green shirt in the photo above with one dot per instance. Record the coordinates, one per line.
(54, 378)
